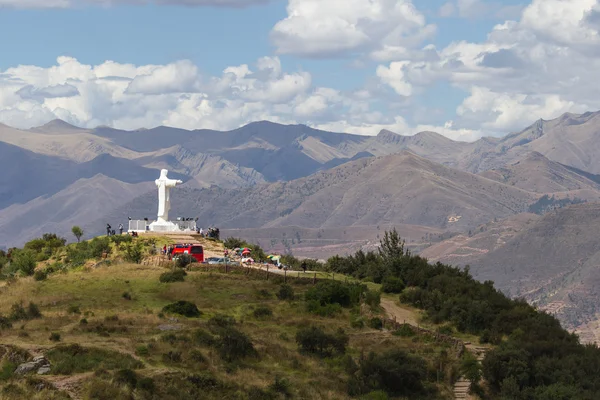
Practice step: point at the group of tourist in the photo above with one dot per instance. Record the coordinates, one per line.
(210, 233)
(111, 232)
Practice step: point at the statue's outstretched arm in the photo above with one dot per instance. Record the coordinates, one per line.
(173, 182)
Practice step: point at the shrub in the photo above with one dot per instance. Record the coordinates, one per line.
(376, 323)
(197, 356)
(126, 377)
(40, 275)
(204, 338)
(146, 384)
(126, 296)
(372, 298)
(262, 312)
(54, 337)
(221, 321)
(405, 330)
(73, 358)
(33, 311)
(83, 321)
(24, 261)
(334, 292)
(134, 253)
(5, 322)
(234, 243)
(286, 292)
(19, 313)
(445, 330)
(263, 294)
(73, 309)
(280, 385)
(176, 276)
(234, 345)
(313, 340)
(392, 284)
(183, 260)
(118, 239)
(395, 372)
(172, 357)
(184, 308)
(142, 350)
(327, 310)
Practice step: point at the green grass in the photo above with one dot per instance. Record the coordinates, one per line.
(134, 339)
(71, 359)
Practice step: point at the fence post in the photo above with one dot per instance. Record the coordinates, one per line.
(284, 276)
(315, 279)
(267, 271)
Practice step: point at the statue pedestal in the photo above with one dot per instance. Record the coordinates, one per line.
(163, 226)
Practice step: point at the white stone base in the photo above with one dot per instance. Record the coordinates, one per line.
(163, 226)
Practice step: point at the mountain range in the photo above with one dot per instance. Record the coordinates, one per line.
(488, 203)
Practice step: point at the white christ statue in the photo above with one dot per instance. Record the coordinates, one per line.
(164, 201)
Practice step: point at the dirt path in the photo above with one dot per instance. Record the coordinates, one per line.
(401, 314)
(69, 384)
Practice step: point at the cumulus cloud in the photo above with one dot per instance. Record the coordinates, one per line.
(472, 9)
(539, 66)
(129, 97)
(383, 28)
(75, 3)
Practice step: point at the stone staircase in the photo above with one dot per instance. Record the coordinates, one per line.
(462, 386)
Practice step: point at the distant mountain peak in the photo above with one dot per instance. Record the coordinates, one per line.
(57, 125)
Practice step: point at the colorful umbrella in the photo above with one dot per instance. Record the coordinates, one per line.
(246, 251)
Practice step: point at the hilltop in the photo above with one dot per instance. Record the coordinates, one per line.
(107, 319)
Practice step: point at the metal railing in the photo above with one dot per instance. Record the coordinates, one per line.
(142, 226)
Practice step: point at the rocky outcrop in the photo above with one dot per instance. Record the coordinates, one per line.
(39, 363)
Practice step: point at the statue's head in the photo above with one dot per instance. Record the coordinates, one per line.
(163, 173)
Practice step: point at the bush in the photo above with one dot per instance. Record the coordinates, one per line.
(83, 321)
(134, 253)
(372, 299)
(126, 296)
(313, 340)
(5, 322)
(40, 276)
(327, 310)
(54, 337)
(392, 284)
(184, 308)
(73, 309)
(405, 330)
(142, 350)
(24, 261)
(234, 345)
(146, 385)
(221, 321)
(334, 292)
(126, 377)
(286, 292)
(376, 323)
(234, 243)
(183, 260)
(19, 313)
(394, 372)
(280, 385)
(118, 239)
(204, 338)
(69, 359)
(176, 276)
(262, 312)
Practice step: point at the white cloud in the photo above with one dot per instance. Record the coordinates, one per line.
(75, 3)
(472, 9)
(316, 28)
(130, 97)
(540, 66)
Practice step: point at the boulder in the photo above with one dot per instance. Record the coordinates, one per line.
(44, 370)
(26, 368)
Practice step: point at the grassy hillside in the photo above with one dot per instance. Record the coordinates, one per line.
(107, 335)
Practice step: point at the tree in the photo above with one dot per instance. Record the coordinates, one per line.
(77, 232)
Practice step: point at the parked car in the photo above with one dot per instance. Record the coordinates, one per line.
(217, 260)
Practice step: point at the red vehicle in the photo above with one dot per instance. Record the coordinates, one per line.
(194, 250)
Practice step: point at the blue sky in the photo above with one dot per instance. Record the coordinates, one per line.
(215, 38)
